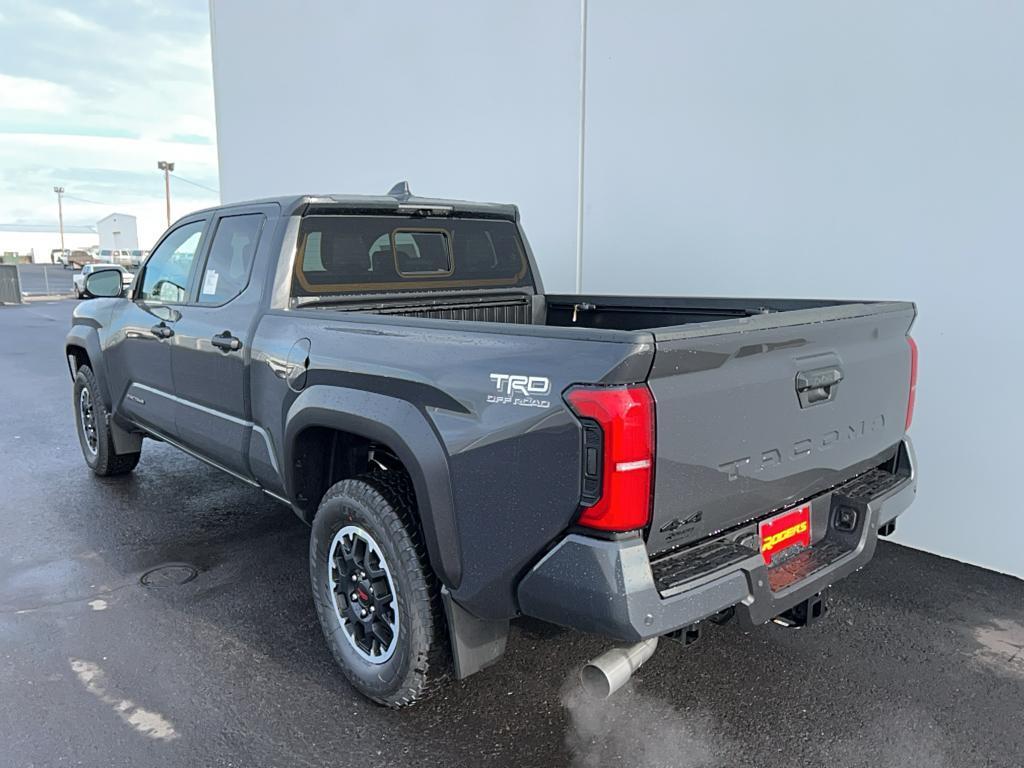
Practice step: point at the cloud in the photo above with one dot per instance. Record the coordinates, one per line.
(30, 94)
(74, 21)
(93, 97)
(100, 174)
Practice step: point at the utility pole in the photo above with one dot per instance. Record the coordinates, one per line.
(167, 167)
(582, 128)
(60, 217)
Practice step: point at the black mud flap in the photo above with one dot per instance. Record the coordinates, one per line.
(475, 643)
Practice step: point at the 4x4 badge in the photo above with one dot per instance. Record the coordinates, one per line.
(677, 523)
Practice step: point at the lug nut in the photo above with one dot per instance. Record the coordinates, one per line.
(362, 574)
(362, 613)
(373, 609)
(354, 577)
(353, 597)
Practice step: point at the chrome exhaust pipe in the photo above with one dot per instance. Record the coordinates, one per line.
(612, 669)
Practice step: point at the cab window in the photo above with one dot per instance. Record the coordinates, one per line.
(165, 277)
(343, 254)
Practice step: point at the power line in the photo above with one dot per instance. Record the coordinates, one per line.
(82, 199)
(78, 199)
(195, 184)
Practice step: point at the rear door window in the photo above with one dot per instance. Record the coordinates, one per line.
(229, 263)
(381, 254)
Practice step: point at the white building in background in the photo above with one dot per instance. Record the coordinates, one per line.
(38, 241)
(119, 233)
(857, 150)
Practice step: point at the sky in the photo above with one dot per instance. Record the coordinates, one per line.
(92, 94)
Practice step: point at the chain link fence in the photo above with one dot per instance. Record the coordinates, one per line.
(19, 282)
(45, 280)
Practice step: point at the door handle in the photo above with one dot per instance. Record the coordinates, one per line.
(161, 331)
(226, 342)
(818, 386)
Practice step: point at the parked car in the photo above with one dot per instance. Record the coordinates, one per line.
(78, 281)
(122, 256)
(469, 449)
(79, 258)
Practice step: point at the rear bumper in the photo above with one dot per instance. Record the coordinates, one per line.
(610, 588)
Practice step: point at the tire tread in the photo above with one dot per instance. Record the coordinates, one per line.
(108, 461)
(391, 490)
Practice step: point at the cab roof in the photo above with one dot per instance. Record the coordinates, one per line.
(398, 200)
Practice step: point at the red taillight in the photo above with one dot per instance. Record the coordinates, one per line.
(913, 380)
(626, 418)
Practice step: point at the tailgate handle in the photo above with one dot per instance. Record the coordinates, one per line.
(818, 386)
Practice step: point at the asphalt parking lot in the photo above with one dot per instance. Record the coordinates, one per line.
(920, 662)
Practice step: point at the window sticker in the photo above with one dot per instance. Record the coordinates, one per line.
(210, 282)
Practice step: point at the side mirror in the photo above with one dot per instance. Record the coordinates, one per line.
(104, 284)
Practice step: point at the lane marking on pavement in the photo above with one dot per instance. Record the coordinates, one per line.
(145, 721)
(107, 591)
(1002, 646)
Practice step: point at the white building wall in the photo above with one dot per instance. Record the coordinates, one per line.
(463, 99)
(864, 150)
(118, 232)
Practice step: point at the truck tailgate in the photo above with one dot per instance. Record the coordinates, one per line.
(758, 414)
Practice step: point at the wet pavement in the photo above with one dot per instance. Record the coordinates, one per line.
(920, 662)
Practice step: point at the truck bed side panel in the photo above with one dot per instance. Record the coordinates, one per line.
(513, 459)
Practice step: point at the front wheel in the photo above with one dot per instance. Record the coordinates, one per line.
(94, 436)
(377, 599)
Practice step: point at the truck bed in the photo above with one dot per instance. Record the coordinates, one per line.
(632, 313)
(737, 438)
(622, 313)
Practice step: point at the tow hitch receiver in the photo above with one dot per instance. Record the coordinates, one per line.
(803, 614)
(686, 635)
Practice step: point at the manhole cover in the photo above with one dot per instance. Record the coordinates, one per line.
(168, 575)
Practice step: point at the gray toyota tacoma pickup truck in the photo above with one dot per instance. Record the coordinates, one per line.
(469, 449)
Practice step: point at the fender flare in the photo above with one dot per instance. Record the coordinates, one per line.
(406, 430)
(87, 338)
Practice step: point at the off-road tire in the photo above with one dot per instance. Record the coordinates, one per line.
(104, 460)
(382, 503)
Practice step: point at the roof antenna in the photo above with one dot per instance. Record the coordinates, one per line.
(400, 191)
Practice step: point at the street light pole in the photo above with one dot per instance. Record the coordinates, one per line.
(167, 167)
(60, 217)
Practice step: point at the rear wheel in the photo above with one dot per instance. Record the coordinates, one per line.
(377, 599)
(91, 416)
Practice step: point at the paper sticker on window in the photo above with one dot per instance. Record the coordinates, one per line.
(210, 282)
